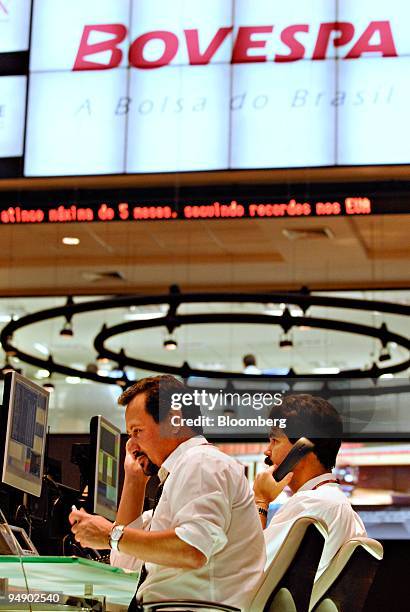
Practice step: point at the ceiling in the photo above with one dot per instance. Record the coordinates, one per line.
(250, 254)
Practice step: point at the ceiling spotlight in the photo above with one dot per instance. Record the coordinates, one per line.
(384, 355)
(170, 344)
(101, 359)
(67, 330)
(48, 386)
(285, 342)
(70, 240)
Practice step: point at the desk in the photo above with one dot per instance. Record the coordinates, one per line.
(73, 576)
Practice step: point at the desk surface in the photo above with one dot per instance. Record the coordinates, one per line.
(70, 575)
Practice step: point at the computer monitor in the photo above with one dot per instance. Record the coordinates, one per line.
(105, 441)
(23, 430)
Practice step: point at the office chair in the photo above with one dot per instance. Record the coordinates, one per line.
(286, 585)
(344, 585)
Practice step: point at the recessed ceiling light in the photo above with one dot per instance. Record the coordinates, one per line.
(41, 348)
(296, 312)
(326, 371)
(71, 240)
(73, 380)
(42, 373)
(273, 312)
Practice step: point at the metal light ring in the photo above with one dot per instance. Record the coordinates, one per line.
(301, 299)
(213, 318)
(53, 366)
(174, 299)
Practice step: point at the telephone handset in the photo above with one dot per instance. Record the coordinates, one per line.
(300, 449)
(151, 469)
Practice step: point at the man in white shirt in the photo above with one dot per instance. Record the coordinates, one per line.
(204, 540)
(316, 492)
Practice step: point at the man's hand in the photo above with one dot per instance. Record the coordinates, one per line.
(135, 465)
(265, 487)
(91, 531)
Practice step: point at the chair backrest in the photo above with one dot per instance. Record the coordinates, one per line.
(287, 583)
(344, 585)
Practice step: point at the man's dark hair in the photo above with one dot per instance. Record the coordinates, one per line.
(315, 418)
(249, 360)
(158, 391)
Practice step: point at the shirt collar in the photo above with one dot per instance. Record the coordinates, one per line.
(176, 454)
(309, 484)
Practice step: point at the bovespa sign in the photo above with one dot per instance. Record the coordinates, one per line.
(353, 44)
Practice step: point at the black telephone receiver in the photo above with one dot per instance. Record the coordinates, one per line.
(300, 449)
(151, 469)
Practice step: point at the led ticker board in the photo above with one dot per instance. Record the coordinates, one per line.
(89, 208)
(144, 86)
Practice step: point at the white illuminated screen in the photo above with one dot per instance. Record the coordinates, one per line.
(74, 125)
(12, 109)
(27, 409)
(14, 25)
(246, 106)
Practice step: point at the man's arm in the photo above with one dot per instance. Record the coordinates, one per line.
(266, 489)
(133, 491)
(132, 502)
(162, 547)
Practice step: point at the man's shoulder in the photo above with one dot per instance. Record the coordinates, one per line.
(331, 492)
(325, 498)
(329, 506)
(210, 457)
(212, 452)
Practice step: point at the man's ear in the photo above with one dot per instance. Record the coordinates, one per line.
(175, 421)
(171, 425)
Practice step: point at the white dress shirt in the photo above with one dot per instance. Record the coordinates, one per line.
(207, 500)
(327, 502)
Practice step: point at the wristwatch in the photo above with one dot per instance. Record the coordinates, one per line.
(115, 536)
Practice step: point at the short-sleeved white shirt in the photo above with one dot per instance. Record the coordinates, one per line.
(327, 502)
(207, 500)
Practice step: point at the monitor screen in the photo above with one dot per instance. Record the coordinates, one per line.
(104, 467)
(23, 426)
